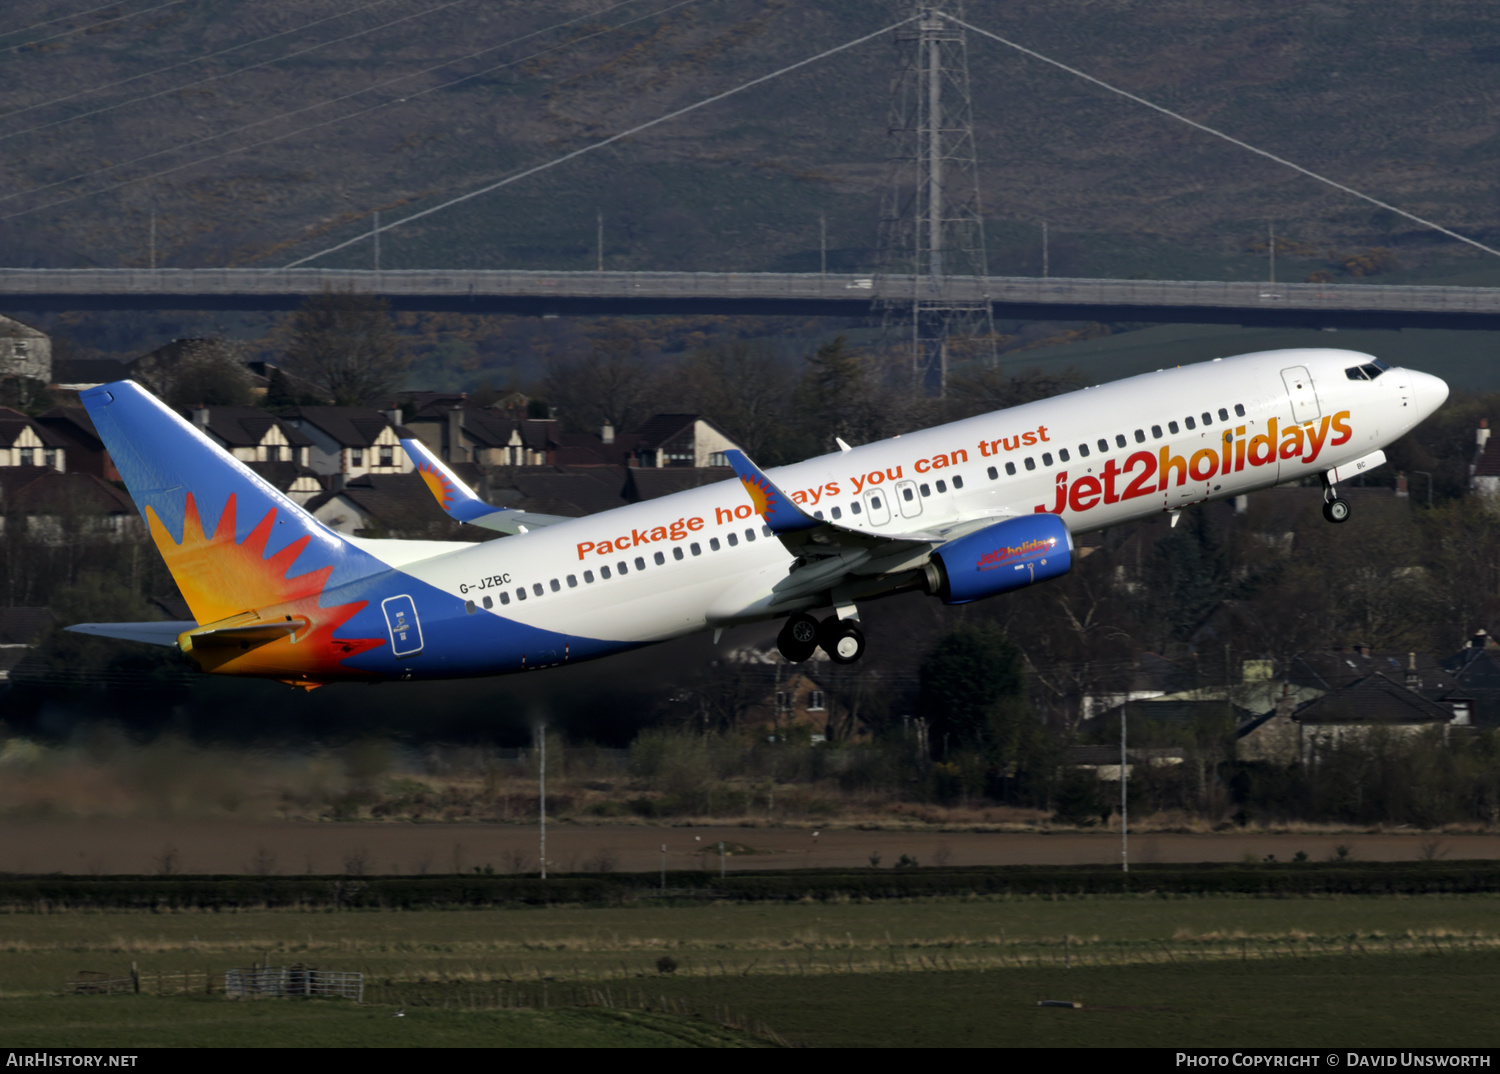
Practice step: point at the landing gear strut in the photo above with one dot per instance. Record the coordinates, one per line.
(1334, 509)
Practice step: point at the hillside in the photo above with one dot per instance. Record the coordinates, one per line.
(1399, 99)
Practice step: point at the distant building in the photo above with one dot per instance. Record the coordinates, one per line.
(25, 352)
(26, 442)
(388, 505)
(86, 453)
(251, 434)
(668, 440)
(350, 441)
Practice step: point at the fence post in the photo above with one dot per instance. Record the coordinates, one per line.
(135, 978)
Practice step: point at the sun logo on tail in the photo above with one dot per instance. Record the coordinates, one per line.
(762, 495)
(438, 484)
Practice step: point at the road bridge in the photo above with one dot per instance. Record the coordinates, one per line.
(577, 294)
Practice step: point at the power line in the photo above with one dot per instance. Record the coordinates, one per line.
(608, 141)
(1220, 134)
(90, 26)
(173, 67)
(60, 18)
(321, 104)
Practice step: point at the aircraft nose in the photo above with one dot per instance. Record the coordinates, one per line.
(1430, 392)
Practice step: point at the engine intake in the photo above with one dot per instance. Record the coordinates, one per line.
(1008, 555)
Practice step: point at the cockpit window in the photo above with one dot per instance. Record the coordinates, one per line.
(1356, 372)
(1368, 371)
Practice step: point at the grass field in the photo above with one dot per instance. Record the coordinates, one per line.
(1149, 970)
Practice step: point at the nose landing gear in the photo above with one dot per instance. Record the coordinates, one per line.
(841, 639)
(1334, 509)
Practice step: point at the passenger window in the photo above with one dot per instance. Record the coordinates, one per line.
(536, 587)
(818, 515)
(749, 535)
(588, 576)
(908, 495)
(766, 530)
(1030, 463)
(733, 539)
(1083, 451)
(1239, 410)
(622, 568)
(640, 563)
(994, 473)
(468, 607)
(695, 548)
(1010, 469)
(604, 573)
(504, 597)
(1062, 454)
(958, 481)
(1046, 458)
(1104, 446)
(521, 593)
(1172, 427)
(855, 508)
(489, 602)
(942, 486)
(660, 559)
(677, 551)
(1191, 424)
(1140, 436)
(1223, 414)
(837, 514)
(1208, 419)
(713, 544)
(572, 581)
(1120, 439)
(875, 502)
(1156, 432)
(556, 586)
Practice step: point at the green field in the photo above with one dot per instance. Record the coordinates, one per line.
(1150, 970)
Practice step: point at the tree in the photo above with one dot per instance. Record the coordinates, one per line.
(196, 372)
(345, 343)
(611, 383)
(973, 690)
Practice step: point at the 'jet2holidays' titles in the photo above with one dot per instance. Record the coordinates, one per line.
(1140, 474)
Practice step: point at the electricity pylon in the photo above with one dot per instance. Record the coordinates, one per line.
(932, 226)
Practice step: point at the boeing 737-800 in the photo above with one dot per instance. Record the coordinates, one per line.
(961, 511)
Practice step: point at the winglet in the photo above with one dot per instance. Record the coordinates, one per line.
(775, 506)
(452, 495)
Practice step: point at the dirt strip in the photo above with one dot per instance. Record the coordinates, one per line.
(103, 847)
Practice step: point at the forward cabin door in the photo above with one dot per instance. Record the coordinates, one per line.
(1304, 398)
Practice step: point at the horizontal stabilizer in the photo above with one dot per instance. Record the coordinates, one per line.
(150, 633)
(245, 635)
(461, 502)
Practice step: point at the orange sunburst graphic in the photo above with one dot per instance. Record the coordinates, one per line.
(762, 495)
(221, 578)
(438, 484)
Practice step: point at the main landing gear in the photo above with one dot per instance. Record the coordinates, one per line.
(1334, 509)
(841, 639)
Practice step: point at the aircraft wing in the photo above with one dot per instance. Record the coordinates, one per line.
(828, 553)
(462, 504)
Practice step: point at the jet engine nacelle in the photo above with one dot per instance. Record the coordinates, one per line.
(1008, 555)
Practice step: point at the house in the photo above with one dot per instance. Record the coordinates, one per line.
(1468, 683)
(668, 440)
(1104, 761)
(61, 507)
(795, 709)
(387, 505)
(26, 442)
(351, 441)
(85, 451)
(25, 352)
(252, 435)
(1374, 704)
(1484, 471)
(457, 429)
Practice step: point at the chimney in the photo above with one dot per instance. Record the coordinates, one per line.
(1413, 682)
(607, 432)
(1482, 434)
(456, 435)
(200, 417)
(1479, 639)
(1241, 504)
(1401, 487)
(393, 416)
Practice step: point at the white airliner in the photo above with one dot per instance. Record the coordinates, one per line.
(961, 511)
